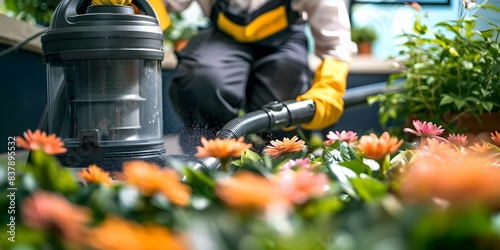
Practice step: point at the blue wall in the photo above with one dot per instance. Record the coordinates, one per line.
(390, 20)
(23, 92)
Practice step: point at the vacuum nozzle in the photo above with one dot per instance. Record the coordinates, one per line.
(289, 113)
(273, 116)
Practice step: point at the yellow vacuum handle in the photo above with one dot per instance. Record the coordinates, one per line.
(157, 5)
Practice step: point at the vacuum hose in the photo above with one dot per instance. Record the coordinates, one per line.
(272, 116)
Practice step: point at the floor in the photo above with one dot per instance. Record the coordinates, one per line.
(172, 144)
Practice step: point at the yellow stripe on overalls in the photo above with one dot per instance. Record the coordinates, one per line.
(260, 28)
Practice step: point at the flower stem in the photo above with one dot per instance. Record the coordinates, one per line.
(225, 162)
(383, 164)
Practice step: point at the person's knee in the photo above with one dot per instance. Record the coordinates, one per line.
(203, 98)
(295, 66)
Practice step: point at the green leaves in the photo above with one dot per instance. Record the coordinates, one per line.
(369, 189)
(461, 103)
(200, 183)
(49, 174)
(451, 68)
(353, 174)
(454, 229)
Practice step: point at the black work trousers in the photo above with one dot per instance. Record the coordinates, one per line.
(217, 77)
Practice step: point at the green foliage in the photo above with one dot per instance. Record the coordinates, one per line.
(179, 29)
(35, 11)
(452, 68)
(48, 174)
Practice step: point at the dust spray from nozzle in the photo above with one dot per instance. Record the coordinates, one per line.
(273, 116)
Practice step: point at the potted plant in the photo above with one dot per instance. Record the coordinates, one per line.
(180, 31)
(449, 74)
(363, 37)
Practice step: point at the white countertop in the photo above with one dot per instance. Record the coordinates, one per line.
(359, 64)
(13, 31)
(370, 65)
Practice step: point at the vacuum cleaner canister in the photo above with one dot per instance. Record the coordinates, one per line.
(104, 83)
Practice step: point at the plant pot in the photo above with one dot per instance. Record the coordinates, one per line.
(488, 122)
(476, 129)
(364, 48)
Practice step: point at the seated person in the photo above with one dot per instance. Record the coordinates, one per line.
(256, 52)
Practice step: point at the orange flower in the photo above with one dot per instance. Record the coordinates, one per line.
(50, 144)
(246, 190)
(150, 178)
(347, 136)
(376, 148)
(435, 152)
(116, 233)
(94, 174)
(220, 148)
(53, 213)
(278, 147)
(302, 185)
(496, 138)
(467, 181)
(481, 148)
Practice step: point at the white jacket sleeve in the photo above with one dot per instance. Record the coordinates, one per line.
(180, 5)
(330, 27)
(176, 5)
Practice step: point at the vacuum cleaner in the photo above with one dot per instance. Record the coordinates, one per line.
(104, 86)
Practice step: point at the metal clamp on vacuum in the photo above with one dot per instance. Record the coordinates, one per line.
(104, 83)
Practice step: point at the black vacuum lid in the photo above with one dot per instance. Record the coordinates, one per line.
(81, 31)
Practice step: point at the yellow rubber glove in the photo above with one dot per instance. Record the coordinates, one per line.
(327, 90)
(161, 13)
(158, 7)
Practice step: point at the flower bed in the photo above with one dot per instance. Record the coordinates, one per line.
(355, 192)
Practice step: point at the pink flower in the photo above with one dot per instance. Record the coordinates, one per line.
(302, 185)
(299, 163)
(425, 129)
(416, 6)
(53, 213)
(347, 136)
(458, 139)
(496, 138)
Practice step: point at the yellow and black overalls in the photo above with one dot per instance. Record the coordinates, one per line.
(241, 62)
